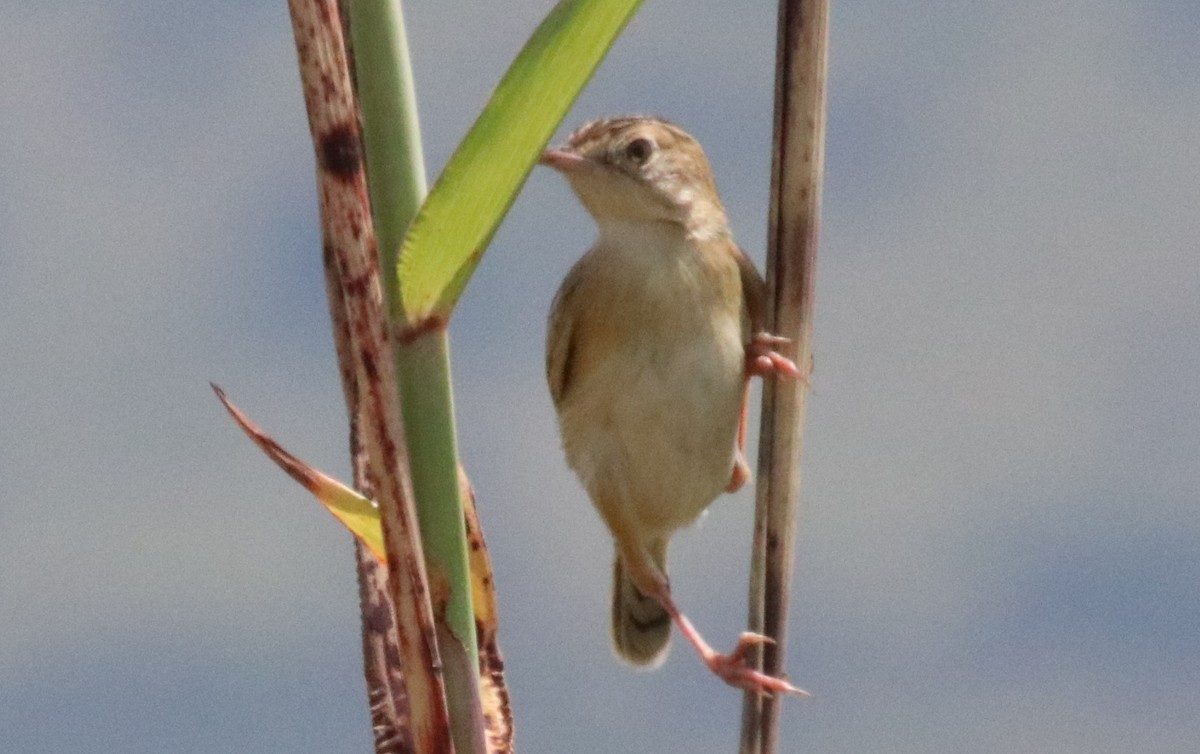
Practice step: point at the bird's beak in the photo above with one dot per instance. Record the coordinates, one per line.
(562, 160)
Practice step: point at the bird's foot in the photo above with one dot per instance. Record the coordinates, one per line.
(763, 360)
(731, 668)
(734, 670)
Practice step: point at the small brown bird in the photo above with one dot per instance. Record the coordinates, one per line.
(653, 337)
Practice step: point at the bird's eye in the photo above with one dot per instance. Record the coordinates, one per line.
(639, 150)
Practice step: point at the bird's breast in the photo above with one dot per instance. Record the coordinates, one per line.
(657, 380)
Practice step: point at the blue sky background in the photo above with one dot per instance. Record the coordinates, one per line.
(1000, 545)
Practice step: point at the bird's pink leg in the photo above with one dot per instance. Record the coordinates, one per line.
(741, 468)
(762, 360)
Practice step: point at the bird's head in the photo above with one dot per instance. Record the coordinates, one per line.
(641, 169)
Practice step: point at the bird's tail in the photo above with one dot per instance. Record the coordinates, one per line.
(640, 626)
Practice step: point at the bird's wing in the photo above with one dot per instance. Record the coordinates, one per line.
(560, 337)
(754, 292)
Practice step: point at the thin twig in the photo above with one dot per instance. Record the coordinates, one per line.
(350, 244)
(384, 675)
(796, 176)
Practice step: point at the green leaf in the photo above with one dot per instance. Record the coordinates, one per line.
(459, 217)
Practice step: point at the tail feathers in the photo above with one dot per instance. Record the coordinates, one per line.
(640, 626)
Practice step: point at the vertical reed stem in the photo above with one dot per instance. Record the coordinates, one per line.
(796, 176)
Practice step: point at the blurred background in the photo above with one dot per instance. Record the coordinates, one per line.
(1000, 539)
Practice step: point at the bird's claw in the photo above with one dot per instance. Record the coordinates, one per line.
(763, 360)
(747, 641)
(770, 339)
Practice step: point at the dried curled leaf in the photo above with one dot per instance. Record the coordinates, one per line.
(357, 513)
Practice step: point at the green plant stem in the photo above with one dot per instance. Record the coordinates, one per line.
(391, 129)
(423, 368)
(424, 372)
